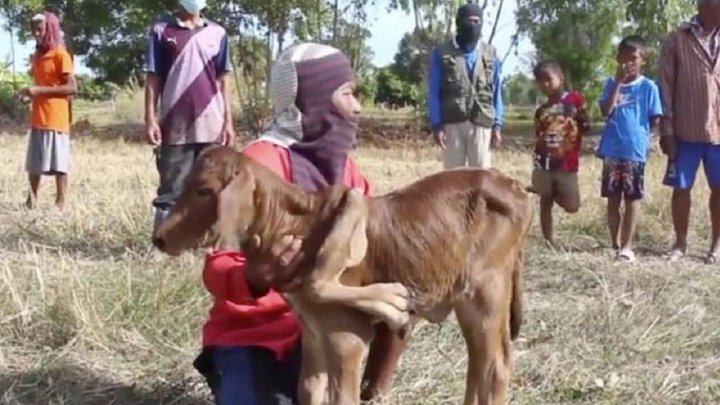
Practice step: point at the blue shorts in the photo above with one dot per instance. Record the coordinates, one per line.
(681, 172)
(623, 178)
(249, 375)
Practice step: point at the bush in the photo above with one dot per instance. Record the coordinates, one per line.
(11, 105)
(93, 89)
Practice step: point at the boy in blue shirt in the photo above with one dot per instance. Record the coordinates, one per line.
(631, 103)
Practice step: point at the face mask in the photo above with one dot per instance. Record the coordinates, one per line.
(193, 6)
(468, 34)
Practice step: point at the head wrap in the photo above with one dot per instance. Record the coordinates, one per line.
(305, 120)
(53, 34)
(468, 33)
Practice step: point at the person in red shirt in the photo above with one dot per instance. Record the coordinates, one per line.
(560, 124)
(251, 350)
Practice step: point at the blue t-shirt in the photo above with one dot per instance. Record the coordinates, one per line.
(627, 129)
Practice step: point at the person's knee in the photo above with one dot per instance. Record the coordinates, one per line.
(681, 194)
(572, 208)
(568, 202)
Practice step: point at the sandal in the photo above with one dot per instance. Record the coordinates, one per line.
(711, 258)
(625, 255)
(675, 255)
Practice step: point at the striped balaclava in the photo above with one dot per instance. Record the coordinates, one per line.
(305, 119)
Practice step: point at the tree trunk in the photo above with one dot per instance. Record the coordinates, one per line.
(497, 20)
(335, 22)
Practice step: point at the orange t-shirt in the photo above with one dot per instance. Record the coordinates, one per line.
(49, 69)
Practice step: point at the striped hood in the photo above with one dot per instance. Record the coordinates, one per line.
(305, 119)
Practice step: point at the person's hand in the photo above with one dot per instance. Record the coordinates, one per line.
(228, 134)
(495, 137)
(624, 71)
(152, 132)
(280, 269)
(440, 137)
(29, 91)
(668, 145)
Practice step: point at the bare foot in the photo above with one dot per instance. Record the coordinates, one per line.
(60, 205)
(30, 202)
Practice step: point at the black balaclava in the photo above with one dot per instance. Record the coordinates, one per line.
(468, 33)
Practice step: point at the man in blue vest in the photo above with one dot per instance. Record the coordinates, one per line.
(464, 94)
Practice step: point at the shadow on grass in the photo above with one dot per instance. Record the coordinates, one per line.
(73, 384)
(91, 244)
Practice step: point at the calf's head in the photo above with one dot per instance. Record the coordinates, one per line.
(215, 206)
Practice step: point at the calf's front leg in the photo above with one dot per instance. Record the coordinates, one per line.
(344, 247)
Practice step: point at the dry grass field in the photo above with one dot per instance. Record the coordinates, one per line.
(89, 316)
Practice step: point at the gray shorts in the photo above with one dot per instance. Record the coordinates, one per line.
(48, 152)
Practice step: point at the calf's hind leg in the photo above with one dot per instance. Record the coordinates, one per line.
(484, 321)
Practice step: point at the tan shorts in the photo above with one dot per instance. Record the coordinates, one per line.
(551, 182)
(467, 145)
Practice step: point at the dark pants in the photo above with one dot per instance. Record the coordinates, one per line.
(249, 375)
(173, 165)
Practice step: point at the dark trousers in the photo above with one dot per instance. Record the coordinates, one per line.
(250, 375)
(173, 164)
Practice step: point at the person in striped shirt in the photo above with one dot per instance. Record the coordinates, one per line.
(689, 80)
(187, 62)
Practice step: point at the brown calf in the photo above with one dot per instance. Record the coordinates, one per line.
(454, 239)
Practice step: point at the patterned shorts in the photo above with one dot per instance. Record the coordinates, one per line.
(623, 178)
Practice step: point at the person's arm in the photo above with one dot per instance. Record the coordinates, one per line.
(499, 120)
(358, 180)
(667, 66)
(224, 277)
(610, 96)
(581, 115)
(223, 67)
(655, 111)
(69, 83)
(153, 81)
(434, 101)
(228, 275)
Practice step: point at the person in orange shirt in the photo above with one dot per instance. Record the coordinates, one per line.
(251, 339)
(48, 150)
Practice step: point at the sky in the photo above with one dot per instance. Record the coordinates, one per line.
(387, 29)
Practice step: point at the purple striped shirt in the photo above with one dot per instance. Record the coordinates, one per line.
(189, 63)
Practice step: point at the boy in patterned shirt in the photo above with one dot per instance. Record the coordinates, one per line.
(560, 124)
(631, 103)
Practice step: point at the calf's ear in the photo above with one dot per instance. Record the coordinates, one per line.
(235, 210)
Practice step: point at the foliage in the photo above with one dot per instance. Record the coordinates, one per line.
(393, 90)
(520, 90)
(653, 19)
(10, 103)
(94, 89)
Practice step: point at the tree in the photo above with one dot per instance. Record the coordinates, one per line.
(519, 90)
(578, 34)
(654, 19)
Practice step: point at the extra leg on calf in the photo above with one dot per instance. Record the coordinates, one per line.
(386, 349)
(484, 323)
(346, 346)
(313, 383)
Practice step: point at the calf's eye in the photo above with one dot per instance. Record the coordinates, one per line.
(204, 192)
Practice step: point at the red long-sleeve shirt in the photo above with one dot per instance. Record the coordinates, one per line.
(236, 318)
